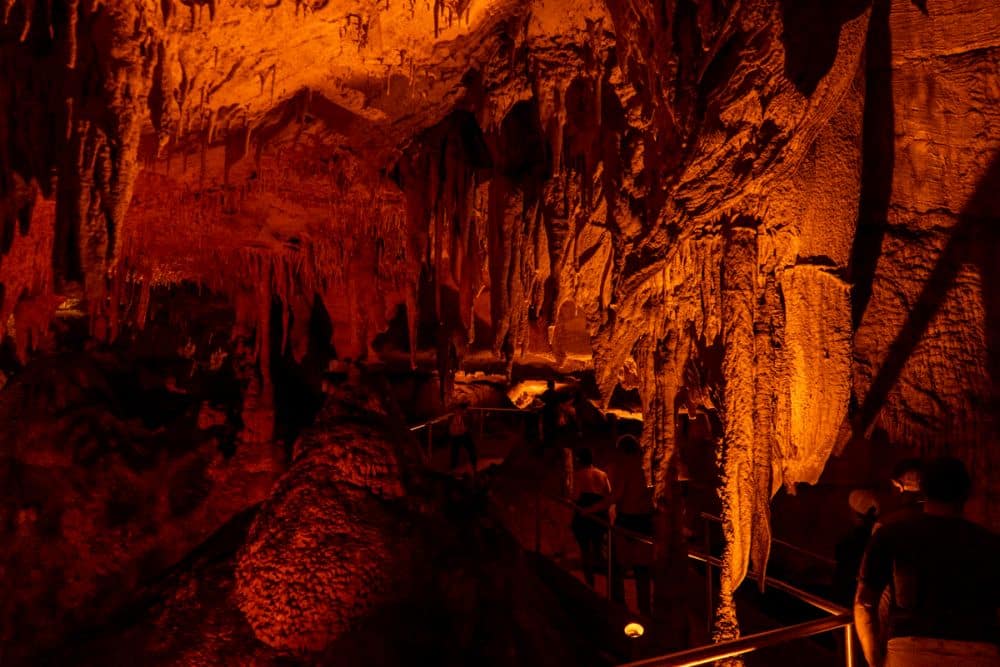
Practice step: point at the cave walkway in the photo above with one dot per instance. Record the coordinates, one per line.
(526, 493)
(510, 453)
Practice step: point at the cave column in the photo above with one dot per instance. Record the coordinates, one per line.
(739, 278)
(258, 398)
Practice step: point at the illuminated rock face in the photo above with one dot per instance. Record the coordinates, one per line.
(809, 187)
(925, 347)
(326, 548)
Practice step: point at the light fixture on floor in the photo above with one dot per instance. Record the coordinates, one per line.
(634, 630)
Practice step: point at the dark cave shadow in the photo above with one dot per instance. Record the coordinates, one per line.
(878, 157)
(974, 240)
(810, 34)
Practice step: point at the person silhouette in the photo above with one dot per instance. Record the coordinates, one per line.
(944, 583)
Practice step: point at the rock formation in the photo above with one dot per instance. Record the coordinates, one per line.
(325, 549)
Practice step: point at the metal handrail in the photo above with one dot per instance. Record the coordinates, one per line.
(631, 534)
(805, 596)
(840, 617)
(476, 408)
(610, 527)
(428, 424)
(703, 655)
(777, 584)
(472, 408)
(783, 543)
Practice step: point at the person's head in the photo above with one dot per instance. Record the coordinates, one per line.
(584, 457)
(550, 384)
(946, 482)
(864, 503)
(906, 476)
(628, 445)
(210, 415)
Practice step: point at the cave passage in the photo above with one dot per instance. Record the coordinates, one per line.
(343, 334)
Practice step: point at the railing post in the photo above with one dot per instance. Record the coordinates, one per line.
(538, 522)
(611, 566)
(430, 439)
(849, 645)
(709, 574)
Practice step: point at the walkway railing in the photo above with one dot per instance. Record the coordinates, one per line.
(612, 530)
(703, 655)
(838, 617)
(428, 426)
(826, 560)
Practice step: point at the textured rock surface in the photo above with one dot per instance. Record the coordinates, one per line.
(325, 550)
(925, 346)
(279, 584)
(97, 501)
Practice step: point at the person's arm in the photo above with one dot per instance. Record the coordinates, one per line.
(866, 624)
(876, 569)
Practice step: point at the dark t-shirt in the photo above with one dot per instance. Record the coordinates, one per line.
(550, 407)
(908, 506)
(848, 553)
(943, 574)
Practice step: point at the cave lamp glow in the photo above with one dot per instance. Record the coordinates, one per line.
(634, 630)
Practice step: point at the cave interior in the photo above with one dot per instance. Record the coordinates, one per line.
(253, 254)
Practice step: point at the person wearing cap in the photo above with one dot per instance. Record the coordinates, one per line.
(942, 575)
(907, 503)
(908, 499)
(850, 549)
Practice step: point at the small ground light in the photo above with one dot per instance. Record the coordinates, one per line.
(634, 630)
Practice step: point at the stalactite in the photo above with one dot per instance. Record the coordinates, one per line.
(93, 170)
(739, 264)
(72, 11)
(142, 309)
(8, 5)
(26, 276)
(767, 328)
(29, 11)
